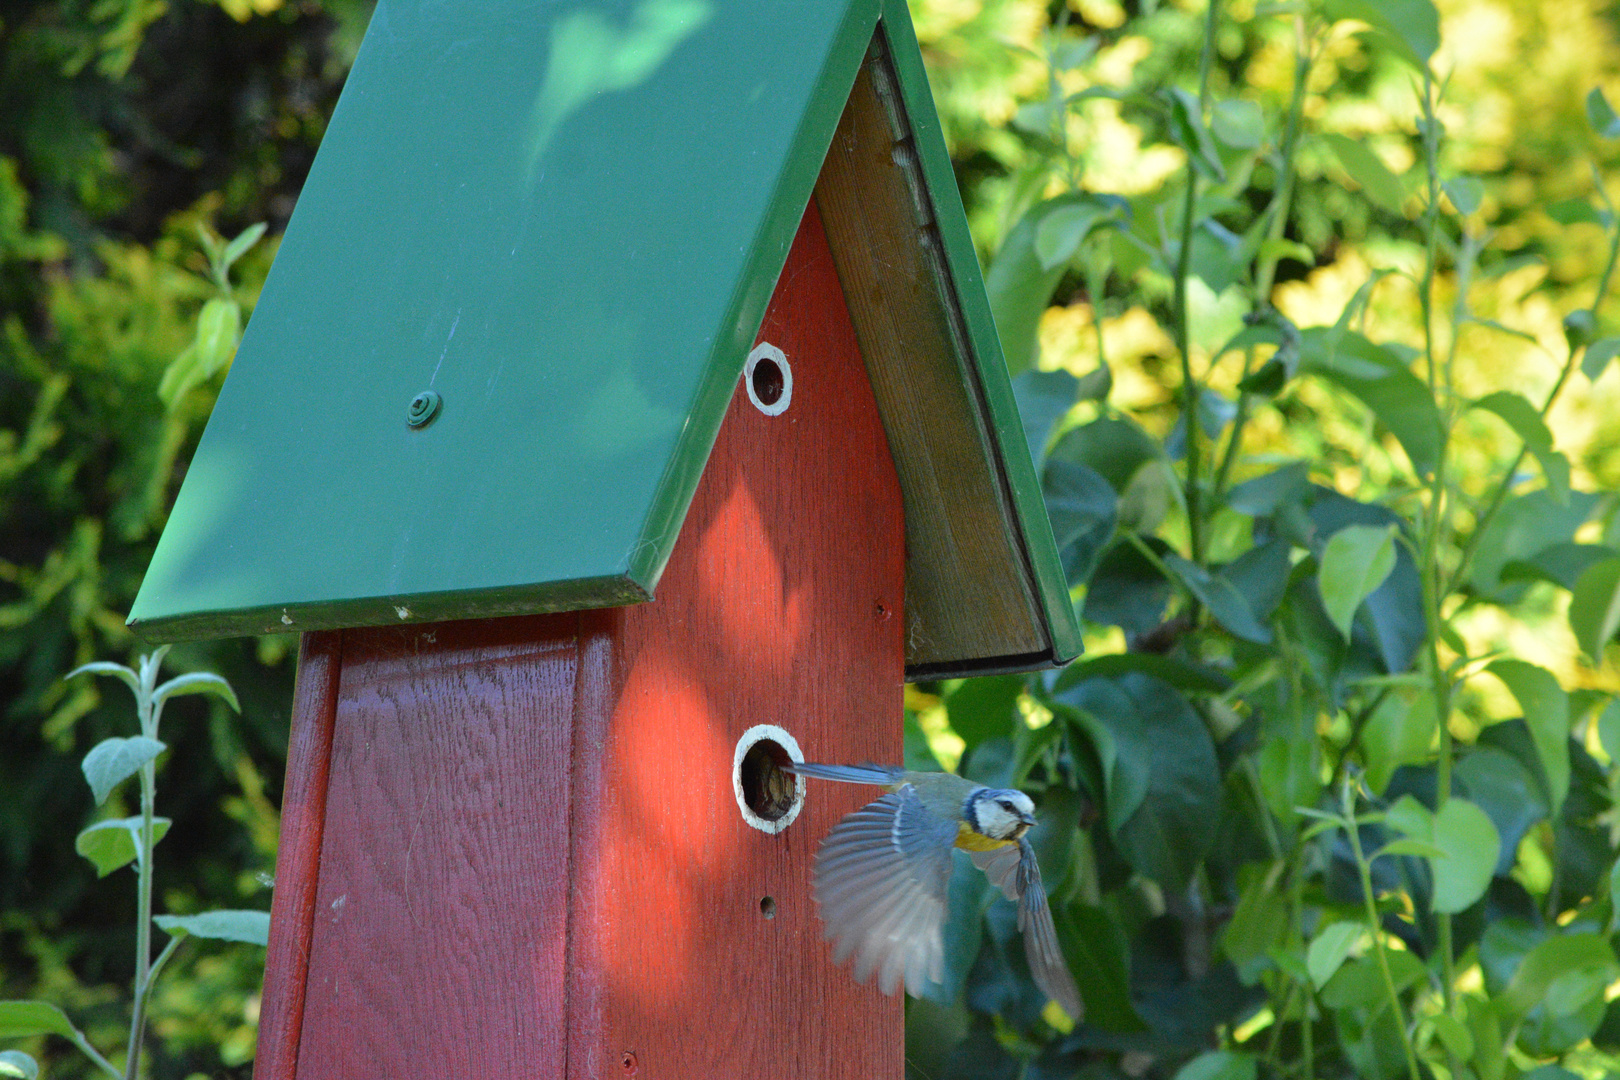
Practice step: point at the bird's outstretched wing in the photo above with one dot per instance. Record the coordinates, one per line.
(882, 875)
(1015, 872)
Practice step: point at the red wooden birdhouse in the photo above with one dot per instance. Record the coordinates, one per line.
(623, 414)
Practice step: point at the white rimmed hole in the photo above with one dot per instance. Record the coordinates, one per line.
(768, 379)
(768, 796)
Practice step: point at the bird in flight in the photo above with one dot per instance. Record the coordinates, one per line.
(883, 872)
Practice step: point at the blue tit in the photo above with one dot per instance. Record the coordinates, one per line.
(883, 872)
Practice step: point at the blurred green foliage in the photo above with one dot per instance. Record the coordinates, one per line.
(1250, 497)
(124, 127)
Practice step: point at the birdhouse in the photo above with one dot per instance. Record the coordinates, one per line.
(623, 416)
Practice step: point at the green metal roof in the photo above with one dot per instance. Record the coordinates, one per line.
(566, 222)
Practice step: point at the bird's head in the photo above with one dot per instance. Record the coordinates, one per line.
(999, 813)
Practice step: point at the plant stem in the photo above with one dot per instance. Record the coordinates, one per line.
(1277, 223)
(143, 917)
(1189, 385)
(1364, 869)
(95, 1055)
(1505, 485)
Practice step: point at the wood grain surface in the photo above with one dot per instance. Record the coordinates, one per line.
(441, 917)
(968, 590)
(780, 605)
(303, 817)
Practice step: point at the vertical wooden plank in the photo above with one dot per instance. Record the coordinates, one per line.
(440, 923)
(303, 816)
(781, 604)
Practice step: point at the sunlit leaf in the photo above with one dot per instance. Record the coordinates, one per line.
(1368, 170)
(197, 682)
(1528, 425)
(1594, 607)
(1546, 712)
(15, 1063)
(114, 760)
(115, 843)
(1355, 561)
(1413, 26)
(1470, 842)
(251, 927)
(23, 1019)
(1329, 948)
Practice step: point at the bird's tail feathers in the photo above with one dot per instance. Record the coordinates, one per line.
(848, 774)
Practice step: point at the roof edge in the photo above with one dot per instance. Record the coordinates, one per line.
(673, 495)
(1015, 470)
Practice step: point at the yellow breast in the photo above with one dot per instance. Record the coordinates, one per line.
(968, 840)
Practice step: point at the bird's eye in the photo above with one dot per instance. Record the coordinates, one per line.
(1005, 805)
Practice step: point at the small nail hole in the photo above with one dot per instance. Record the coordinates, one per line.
(767, 906)
(628, 1061)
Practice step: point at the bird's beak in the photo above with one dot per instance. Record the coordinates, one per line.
(1027, 819)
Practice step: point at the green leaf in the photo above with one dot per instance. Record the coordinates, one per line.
(1181, 674)
(1368, 170)
(252, 927)
(1465, 193)
(239, 246)
(1237, 123)
(1099, 956)
(24, 1019)
(1470, 842)
(1064, 228)
(1044, 398)
(1525, 526)
(1258, 924)
(1577, 965)
(117, 842)
(1219, 1065)
(114, 760)
(1454, 1036)
(15, 1063)
(1385, 384)
(1114, 447)
(1413, 26)
(1528, 425)
(1399, 732)
(1225, 603)
(1546, 713)
(1020, 288)
(1187, 128)
(1504, 787)
(1262, 496)
(1609, 730)
(1600, 114)
(1594, 607)
(1574, 212)
(987, 708)
(1410, 846)
(1360, 983)
(104, 667)
(1083, 510)
(1161, 775)
(1355, 561)
(197, 682)
(1561, 564)
(1329, 949)
(1595, 361)
(218, 328)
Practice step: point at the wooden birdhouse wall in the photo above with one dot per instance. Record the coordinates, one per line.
(511, 847)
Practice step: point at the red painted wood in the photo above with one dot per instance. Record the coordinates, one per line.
(440, 922)
(532, 862)
(781, 604)
(303, 816)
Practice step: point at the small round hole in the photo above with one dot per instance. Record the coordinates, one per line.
(767, 906)
(767, 794)
(768, 378)
(767, 381)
